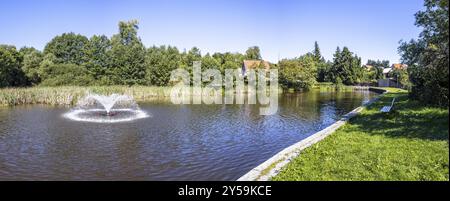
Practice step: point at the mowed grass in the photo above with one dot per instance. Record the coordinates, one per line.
(410, 143)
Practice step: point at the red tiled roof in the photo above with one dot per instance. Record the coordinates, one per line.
(252, 64)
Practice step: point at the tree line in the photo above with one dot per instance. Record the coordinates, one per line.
(74, 59)
(345, 68)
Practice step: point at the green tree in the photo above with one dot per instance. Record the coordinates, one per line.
(209, 62)
(297, 73)
(232, 60)
(98, 62)
(160, 61)
(128, 55)
(219, 57)
(346, 67)
(32, 59)
(187, 59)
(377, 71)
(428, 56)
(309, 61)
(378, 63)
(67, 74)
(335, 70)
(11, 74)
(253, 53)
(401, 76)
(45, 69)
(194, 54)
(68, 48)
(324, 72)
(317, 54)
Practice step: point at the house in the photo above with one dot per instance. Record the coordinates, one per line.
(399, 66)
(254, 64)
(386, 81)
(368, 67)
(389, 81)
(386, 71)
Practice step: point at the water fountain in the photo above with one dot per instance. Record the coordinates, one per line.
(106, 109)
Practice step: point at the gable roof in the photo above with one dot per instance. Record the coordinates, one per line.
(387, 70)
(253, 64)
(399, 66)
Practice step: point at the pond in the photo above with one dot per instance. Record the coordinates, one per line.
(177, 142)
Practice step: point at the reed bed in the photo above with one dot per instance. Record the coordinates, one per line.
(69, 95)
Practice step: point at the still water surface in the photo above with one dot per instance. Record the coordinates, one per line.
(178, 142)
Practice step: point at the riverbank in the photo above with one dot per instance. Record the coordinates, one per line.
(410, 143)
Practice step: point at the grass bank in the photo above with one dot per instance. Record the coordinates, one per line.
(410, 143)
(69, 95)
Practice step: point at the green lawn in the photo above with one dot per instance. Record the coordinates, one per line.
(411, 143)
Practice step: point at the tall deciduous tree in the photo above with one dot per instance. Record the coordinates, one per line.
(32, 59)
(232, 60)
(192, 55)
(128, 55)
(68, 48)
(253, 53)
(160, 61)
(11, 74)
(298, 73)
(428, 56)
(99, 60)
(209, 62)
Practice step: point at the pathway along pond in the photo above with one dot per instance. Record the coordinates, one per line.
(178, 142)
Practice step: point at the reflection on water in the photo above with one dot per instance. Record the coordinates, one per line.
(179, 142)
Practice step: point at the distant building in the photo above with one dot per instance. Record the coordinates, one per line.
(386, 72)
(388, 81)
(368, 67)
(254, 64)
(399, 66)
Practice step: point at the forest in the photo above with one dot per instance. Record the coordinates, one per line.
(76, 60)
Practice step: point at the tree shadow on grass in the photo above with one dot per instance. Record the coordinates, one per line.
(409, 119)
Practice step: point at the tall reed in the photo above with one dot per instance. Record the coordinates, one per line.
(69, 95)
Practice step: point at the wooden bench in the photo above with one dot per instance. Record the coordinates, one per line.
(388, 108)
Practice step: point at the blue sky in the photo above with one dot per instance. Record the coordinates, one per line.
(282, 29)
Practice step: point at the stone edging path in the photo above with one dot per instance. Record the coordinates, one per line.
(273, 165)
